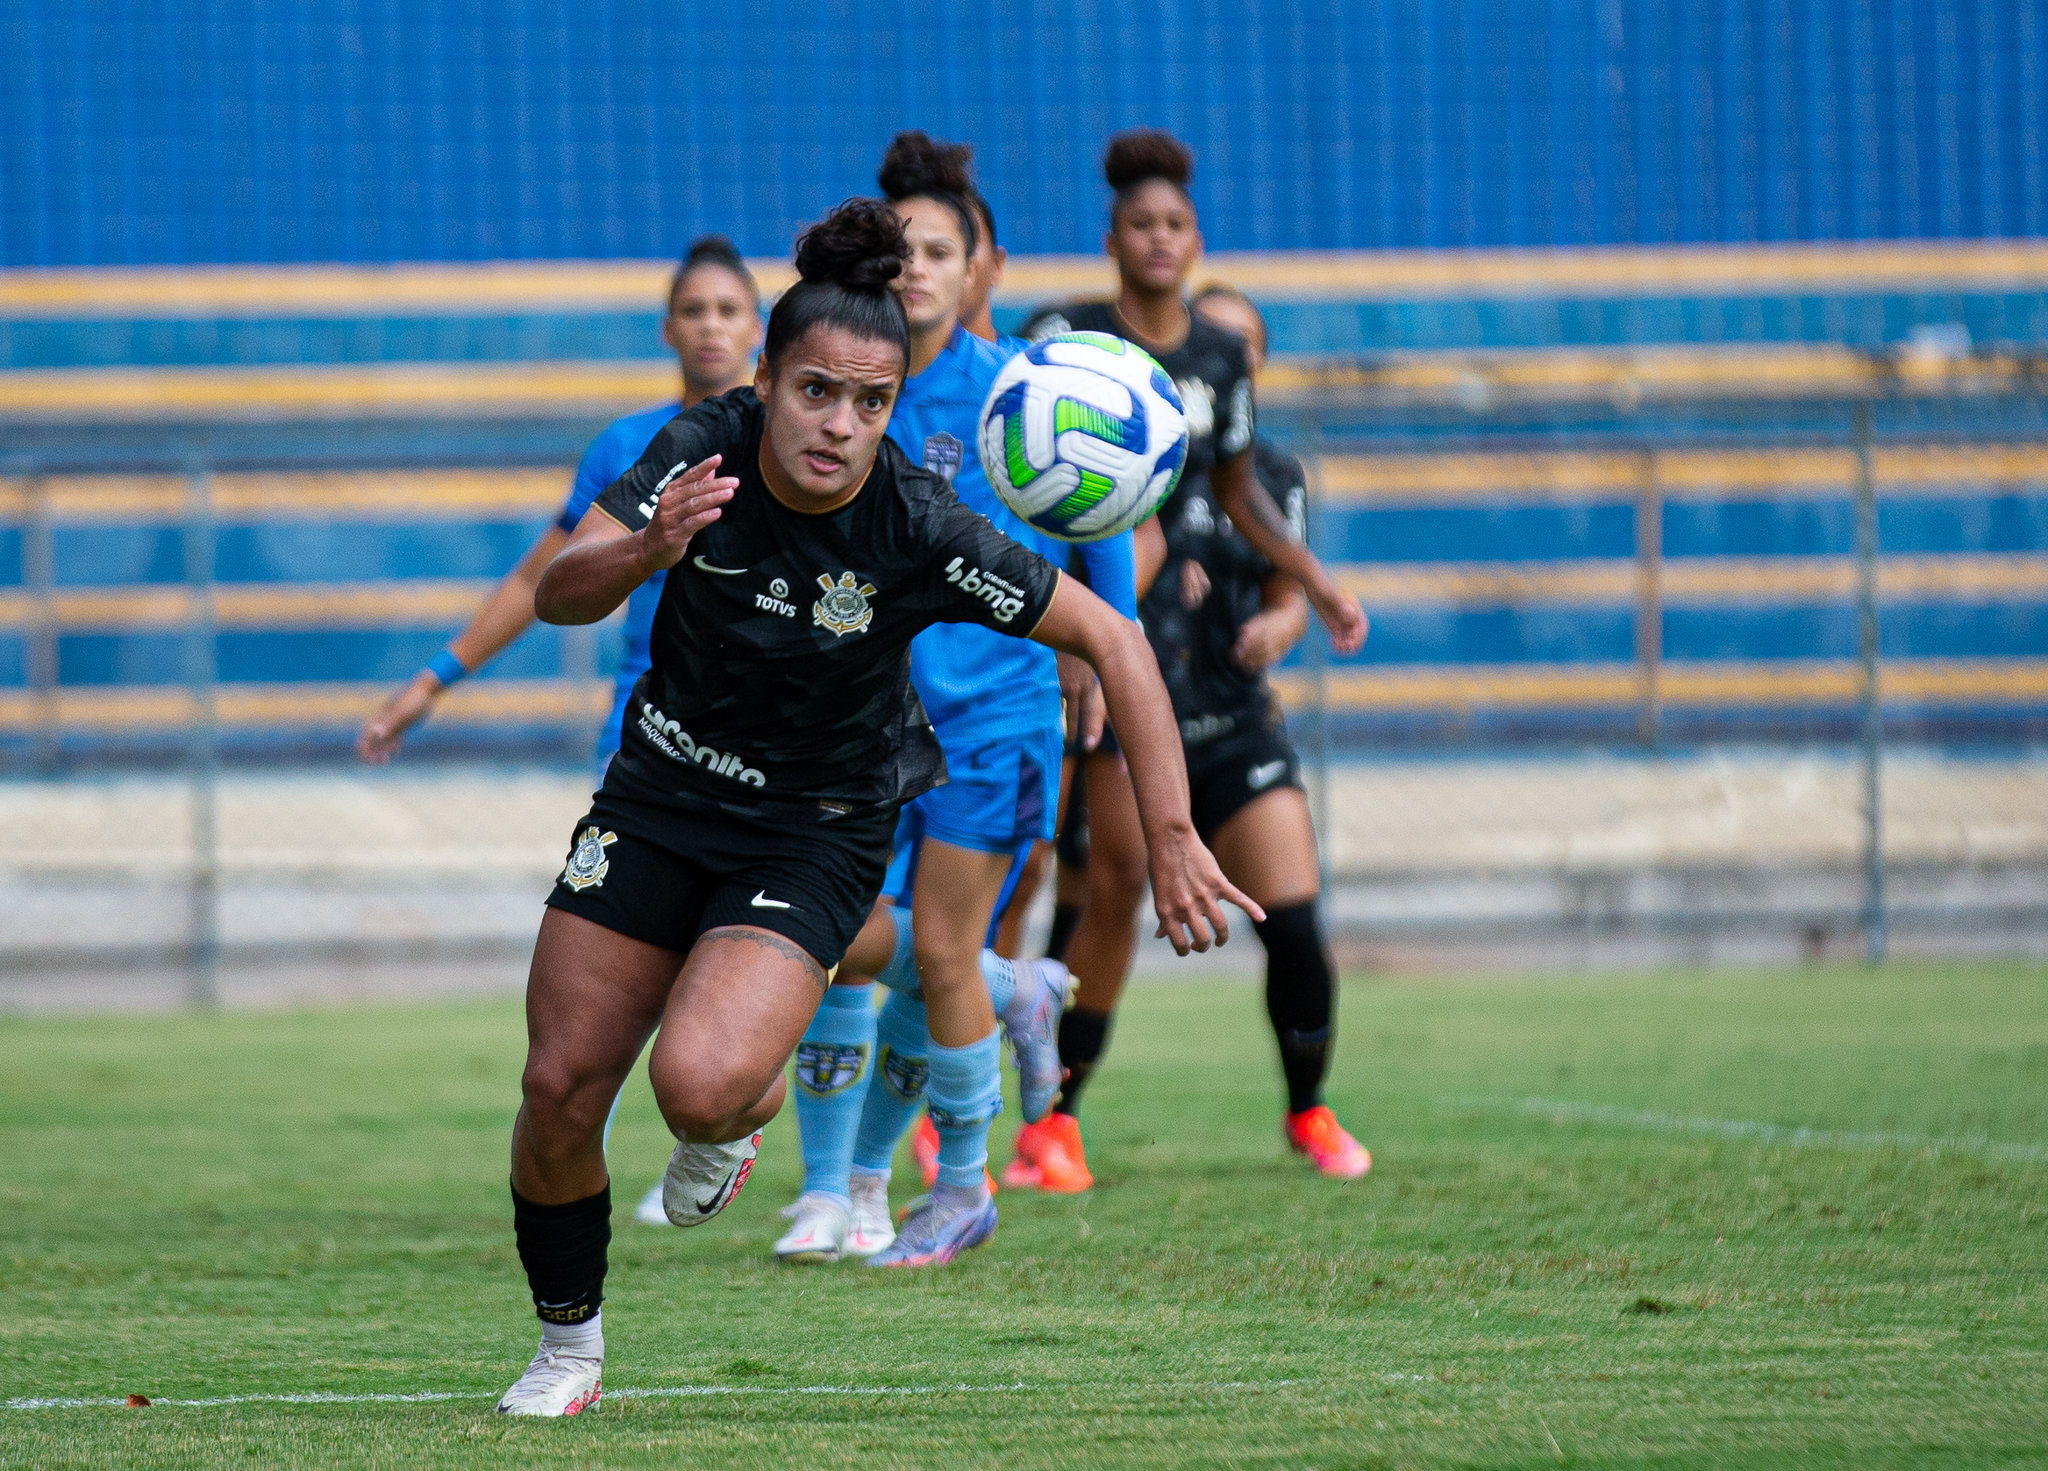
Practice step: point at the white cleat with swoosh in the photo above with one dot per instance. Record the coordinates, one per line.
(702, 1179)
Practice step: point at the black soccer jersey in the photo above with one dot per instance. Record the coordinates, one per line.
(1208, 368)
(1213, 695)
(780, 654)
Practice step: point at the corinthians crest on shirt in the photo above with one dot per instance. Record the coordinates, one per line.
(825, 1068)
(587, 861)
(844, 607)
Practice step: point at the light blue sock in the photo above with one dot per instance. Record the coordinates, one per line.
(900, 974)
(966, 1094)
(896, 1090)
(831, 1071)
(1002, 980)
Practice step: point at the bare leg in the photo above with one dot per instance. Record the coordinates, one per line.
(592, 999)
(1107, 936)
(1268, 849)
(954, 896)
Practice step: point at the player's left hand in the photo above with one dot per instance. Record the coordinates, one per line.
(1188, 891)
(1340, 614)
(1194, 584)
(1264, 640)
(1081, 698)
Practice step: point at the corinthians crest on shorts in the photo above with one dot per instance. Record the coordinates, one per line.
(587, 862)
(844, 607)
(825, 1068)
(942, 455)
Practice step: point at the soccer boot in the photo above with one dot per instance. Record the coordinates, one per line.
(924, 1150)
(555, 1383)
(818, 1232)
(934, 1234)
(1052, 1148)
(702, 1179)
(1034, 1034)
(871, 1229)
(1315, 1134)
(649, 1211)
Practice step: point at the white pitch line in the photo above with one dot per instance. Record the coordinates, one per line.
(1562, 1111)
(677, 1391)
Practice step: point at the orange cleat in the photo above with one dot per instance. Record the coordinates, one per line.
(1316, 1134)
(924, 1149)
(1051, 1156)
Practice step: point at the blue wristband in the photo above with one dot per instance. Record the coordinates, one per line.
(445, 667)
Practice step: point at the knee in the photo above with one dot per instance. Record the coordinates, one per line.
(1116, 876)
(563, 1101)
(700, 1101)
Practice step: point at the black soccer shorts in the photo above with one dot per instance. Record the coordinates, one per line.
(664, 875)
(1225, 778)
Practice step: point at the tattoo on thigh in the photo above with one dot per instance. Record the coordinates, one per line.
(768, 940)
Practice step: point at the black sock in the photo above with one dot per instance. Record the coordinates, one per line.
(1064, 918)
(562, 1248)
(1299, 994)
(1083, 1035)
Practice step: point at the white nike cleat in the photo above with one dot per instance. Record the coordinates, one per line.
(649, 1211)
(1032, 1024)
(702, 1179)
(555, 1383)
(871, 1229)
(819, 1230)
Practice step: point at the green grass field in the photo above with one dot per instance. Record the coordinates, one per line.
(1594, 1235)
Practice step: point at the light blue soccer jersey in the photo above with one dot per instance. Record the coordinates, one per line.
(616, 447)
(979, 685)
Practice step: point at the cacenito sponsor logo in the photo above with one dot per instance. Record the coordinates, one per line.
(673, 741)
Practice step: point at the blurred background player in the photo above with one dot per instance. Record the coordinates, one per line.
(1154, 241)
(713, 326)
(994, 704)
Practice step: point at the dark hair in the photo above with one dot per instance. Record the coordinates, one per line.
(846, 262)
(918, 166)
(1224, 291)
(983, 213)
(712, 250)
(1138, 157)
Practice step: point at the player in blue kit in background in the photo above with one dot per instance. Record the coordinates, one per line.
(994, 704)
(713, 326)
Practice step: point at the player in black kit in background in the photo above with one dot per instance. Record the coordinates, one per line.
(1154, 242)
(741, 833)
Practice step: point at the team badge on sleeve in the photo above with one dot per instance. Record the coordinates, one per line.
(587, 863)
(942, 455)
(825, 1068)
(844, 607)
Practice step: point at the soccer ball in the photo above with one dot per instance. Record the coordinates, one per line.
(1083, 435)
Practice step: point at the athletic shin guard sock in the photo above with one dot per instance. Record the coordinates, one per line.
(1001, 978)
(831, 1076)
(563, 1248)
(896, 1087)
(1300, 995)
(900, 974)
(1083, 1035)
(966, 1094)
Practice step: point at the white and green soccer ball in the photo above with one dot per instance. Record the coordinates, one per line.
(1083, 435)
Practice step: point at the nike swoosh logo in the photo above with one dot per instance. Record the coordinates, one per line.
(762, 901)
(720, 571)
(1265, 776)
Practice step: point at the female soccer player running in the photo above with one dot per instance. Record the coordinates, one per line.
(713, 325)
(1154, 241)
(994, 704)
(741, 833)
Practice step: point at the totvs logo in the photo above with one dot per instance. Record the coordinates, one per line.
(673, 741)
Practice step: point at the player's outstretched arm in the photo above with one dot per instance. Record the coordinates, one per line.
(1188, 889)
(604, 562)
(506, 614)
(1262, 523)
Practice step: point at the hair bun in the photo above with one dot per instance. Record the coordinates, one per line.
(1146, 153)
(918, 164)
(859, 245)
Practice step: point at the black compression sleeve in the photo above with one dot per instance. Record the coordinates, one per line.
(1300, 995)
(563, 1249)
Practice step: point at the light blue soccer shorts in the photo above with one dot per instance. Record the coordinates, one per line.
(999, 797)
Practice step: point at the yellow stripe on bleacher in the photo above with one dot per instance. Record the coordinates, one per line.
(1440, 689)
(425, 603)
(1400, 275)
(130, 707)
(380, 494)
(1963, 577)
